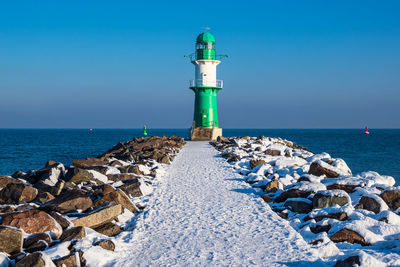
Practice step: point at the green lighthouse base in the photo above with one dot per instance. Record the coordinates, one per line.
(205, 133)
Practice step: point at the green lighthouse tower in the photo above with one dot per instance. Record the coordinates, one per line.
(205, 86)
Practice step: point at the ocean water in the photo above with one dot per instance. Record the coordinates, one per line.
(25, 149)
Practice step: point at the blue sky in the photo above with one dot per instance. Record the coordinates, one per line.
(120, 64)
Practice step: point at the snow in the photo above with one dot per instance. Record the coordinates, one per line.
(101, 177)
(4, 261)
(202, 213)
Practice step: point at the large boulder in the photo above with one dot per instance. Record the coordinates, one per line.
(131, 169)
(32, 239)
(10, 240)
(88, 162)
(78, 175)
(348, 262)
(118, 196)
(256, 162)
(106, 244)
(5, 180)
(121, 176)
(340, 216)
(35, 259)
(368, 203)
(271, 187)
(292, 193)
(328, 198)
(69, 201)
(272, 152)
(317, 169)
(109, 229)
(392, 198)
(100, 215)
(73, 233)
(350, 236)
(300, 205)
(32, 222)
(349, 188)
(132, 187)
(72, 260)
(47, 176)
(17, 193)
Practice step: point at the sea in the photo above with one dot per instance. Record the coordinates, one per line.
(25, 149)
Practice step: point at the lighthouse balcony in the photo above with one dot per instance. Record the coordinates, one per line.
(205, 83)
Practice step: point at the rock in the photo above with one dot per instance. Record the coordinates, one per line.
(50, 163)
(17, 193)
(233, 158)
(256, 162)
(32, 222)
(108, 229)
(348, 262)
(10, 240)
(121, 176)
(392, 198)
(100, 215)
(32, 260)
(320, 228)
(18, 174)
(317, 170)
(106, 244)
(31, 239)
(370, 204)
(299, 205)
(131, 187)
(119, 197)
(267, 198)
(116, 163)
(37, 246)
(271, 187)
(350, 236)
(164, 160)
(88, 162)
(72, 233)
(272, 152)
(63, 221)
(349, 188)
(103, 189)
(5, 180)
(131, 169)
(47, 177)
(69, 202)
(292, 193)
(71, 260)
(328, 198)
(43, 197)
(78, 175)
(340, 216)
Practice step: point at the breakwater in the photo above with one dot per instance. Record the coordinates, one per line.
(50, 215)
(349, 218)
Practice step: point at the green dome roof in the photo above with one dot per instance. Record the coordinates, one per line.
(205, 37)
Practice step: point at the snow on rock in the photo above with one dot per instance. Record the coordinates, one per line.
(369, 200)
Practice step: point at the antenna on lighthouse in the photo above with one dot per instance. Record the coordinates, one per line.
(205, 28)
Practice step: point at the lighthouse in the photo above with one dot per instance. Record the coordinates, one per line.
(205, 86)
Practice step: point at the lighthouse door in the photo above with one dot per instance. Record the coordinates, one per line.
(204, 119)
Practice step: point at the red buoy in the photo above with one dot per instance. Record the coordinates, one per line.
(366, 130)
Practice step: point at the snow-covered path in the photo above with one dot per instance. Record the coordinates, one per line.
(202, 213)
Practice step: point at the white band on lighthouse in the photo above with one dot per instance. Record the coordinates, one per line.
(206, 73)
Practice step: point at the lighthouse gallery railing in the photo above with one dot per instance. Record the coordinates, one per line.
(204, 83)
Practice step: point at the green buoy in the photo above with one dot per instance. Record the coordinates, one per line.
(144, 131)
